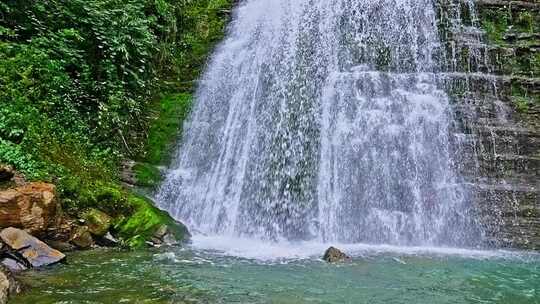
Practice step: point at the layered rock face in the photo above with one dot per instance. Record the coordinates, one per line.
(494, 84)
(32, 207)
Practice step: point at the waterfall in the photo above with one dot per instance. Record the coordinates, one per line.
(324, 120)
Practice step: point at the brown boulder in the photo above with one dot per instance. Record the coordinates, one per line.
(32, 207)
(82, 238)
(334, 255)
(33, 250)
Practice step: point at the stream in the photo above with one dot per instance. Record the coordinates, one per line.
(251, 272)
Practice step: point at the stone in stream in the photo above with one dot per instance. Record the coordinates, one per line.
(334, 255)
(36, 252)
(8, 285)
(32, 207)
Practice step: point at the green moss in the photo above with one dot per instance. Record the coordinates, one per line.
(522, 96)
(495, 29)
(525, 22)
(147, 175)
(135, 218)
(522, 103)
(78, 195)
(499, 22)
(97, 221)
(146, 219)
(166, 127)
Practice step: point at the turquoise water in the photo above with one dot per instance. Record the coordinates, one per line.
(376, 275)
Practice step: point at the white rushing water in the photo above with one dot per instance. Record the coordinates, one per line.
(323, 121)
(286, 252)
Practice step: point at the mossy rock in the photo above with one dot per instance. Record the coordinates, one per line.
(145, 221)
(98, 222)
(82, 238)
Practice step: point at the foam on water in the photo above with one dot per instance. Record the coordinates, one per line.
(284, 250)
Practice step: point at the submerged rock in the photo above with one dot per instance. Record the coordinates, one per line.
(334, 255)
(32, 207)
(36, 252)
(8, 285)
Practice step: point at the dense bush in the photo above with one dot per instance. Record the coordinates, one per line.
(81, 80)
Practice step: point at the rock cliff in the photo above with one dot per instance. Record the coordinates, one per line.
(494, 83)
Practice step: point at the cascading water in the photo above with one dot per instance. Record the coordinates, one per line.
(324, 120)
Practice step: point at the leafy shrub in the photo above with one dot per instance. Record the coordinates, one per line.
(80, 83)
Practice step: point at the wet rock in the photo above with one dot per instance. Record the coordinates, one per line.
(163, 236)
(12, 259)
(62, 230)
(36, 252)
(82, 238)
(8, 285)
(334, 255)
(6, 173)
(32, 207)
(98, 222)
(161, 231)
(169, 239)
(108, 240)
(13, 265)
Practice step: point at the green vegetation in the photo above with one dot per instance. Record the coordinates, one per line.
(514, 28)
(522, 97)
(143, 223)
(500, 22)
(513, 32)
(163, 133)
(87, 84)
(147, 175)
(173, 110)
